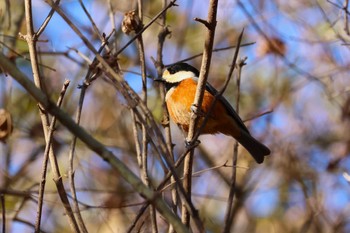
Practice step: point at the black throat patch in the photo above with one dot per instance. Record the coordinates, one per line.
(168, 86)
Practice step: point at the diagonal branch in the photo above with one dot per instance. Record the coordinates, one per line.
(46, 21)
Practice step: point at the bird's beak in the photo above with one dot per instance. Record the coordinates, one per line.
(159, 79)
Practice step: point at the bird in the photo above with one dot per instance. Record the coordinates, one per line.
(180, 81)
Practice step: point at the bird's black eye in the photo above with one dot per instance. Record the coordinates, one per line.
(172, 70)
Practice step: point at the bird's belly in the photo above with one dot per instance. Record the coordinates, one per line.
(180, 115)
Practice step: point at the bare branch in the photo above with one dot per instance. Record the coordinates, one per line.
(228, 217)
(46, 21)
(46, 159)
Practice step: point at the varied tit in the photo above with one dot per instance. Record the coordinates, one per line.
(180, 82)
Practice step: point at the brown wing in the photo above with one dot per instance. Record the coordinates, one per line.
(228, 108)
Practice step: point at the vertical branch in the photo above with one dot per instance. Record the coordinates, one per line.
(71, 173)
(87, 81)
(141, 51)
(144, 155)
(111, 15)
(229, 209)
(208, 47)
(31, 39)
(163, 33)
(136, 138)
(45, 160)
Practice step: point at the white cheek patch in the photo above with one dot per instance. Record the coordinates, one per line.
(178, 76)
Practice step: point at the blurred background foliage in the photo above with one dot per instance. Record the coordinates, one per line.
(294, 92)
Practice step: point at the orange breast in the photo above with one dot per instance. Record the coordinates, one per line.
(180, 100)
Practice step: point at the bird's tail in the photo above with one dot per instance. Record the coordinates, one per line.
(253, 146)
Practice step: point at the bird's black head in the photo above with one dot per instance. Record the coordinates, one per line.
(181, 66)
(176, 73)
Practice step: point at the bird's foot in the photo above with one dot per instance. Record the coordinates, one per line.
(197, 111)
(191, 144)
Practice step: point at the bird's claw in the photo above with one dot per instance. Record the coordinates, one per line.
(191, 144)
(196, 110)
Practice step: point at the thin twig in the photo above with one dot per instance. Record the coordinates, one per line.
(24, 57)
(17, 193)
(258, 115)
(214, 50)
(138, 216)
(228, 216)
(56, 53)
(171, 4)
(111, 14)
(46, 21)
(46, 159)
(91, 21)
(136, 138)
(80, 221)
(82, 55)
(195, 174)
